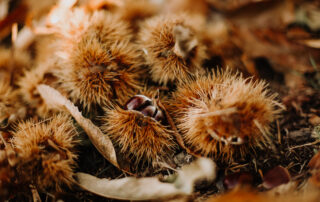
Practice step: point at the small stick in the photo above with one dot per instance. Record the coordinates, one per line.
(279, 134)
(35, 194)
(2, 139)
(176, 132)
(304, 145)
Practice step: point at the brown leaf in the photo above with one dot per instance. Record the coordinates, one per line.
(315, 179)
(93, 5)
(314, 163)
(314, 119)
(235, 179)
(190, 6)
(262, 32)
(274, 45)
(4, 8)
(275, 177)
(230, 5)
(17, 15)
(240, 195)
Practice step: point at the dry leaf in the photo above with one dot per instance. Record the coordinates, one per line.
(230, 5)
(314, 163)
(102, 142)
(4, 8)
(24, 39)
(237, 179)
(103, 4)
(275, 177)
(313, 43)
(15, 16)
(148, 188)
(314, 119)
(252, 195)
(58, 12)
(314, 180)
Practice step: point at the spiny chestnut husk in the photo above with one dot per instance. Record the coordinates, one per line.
(138, 130)
(12, 64)
(223, 114)
(172, 48)
(100, 64)
(43, 73)
(135, 11)
(46, 151)
(11, 108)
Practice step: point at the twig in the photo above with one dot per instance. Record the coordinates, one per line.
(304, 145)
(176, 132)
(2, 139)
(35, 194)
(279, 133)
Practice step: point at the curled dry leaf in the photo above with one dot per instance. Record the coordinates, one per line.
(251, 195)
(103, 4)
(240, 195)
(57, 13)
(314, 119)
(314, 180)
(17, 15)
(231, 5)
(102, 142)
(25, 38)
(314, 163)
(149, 188)
(313, 43)
(236, 179)
(275, 177)
(4, 8)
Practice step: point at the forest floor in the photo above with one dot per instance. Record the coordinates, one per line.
(276, 41)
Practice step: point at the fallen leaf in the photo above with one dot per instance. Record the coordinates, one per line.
(93, 5)
(230, 5)
(313, 43)
(308, 13)
(149, 188)
(235, 179)
(275, 177)
(251, 195)
(16, 16)
(240, 195)
(314, 180)
(102, 142)
(314, 163)
(314, 120)
(4, 8)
